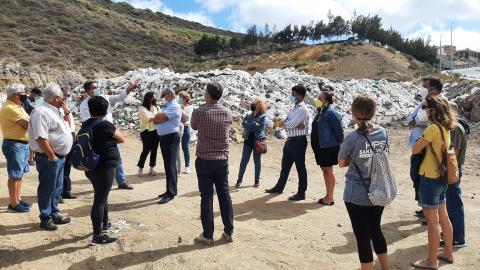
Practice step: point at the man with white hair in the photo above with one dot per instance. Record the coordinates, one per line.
(14, 125)
(91, 89)
(50, 137)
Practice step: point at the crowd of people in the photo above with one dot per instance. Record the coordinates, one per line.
(39, 130)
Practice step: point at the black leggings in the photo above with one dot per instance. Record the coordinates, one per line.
(150, 140)
(102, 180)
(366, 227)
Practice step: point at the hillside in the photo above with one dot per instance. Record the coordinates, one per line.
(95, 36)
(70, 40)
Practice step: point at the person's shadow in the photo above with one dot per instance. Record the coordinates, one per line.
(392, 232)
(3, 165)
(262, 209)
(136, 258)
(132, 179)
(84, 210)
(13, 256)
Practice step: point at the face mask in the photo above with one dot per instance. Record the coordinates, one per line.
(318, 103)
(423, 92)
(38, 100)
(293, 99)
(23, 98)
(422, 116)
(180, 101)
(253, 107)
(97, 92)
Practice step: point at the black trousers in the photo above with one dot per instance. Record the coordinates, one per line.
(102, 180)
(212, 173)
(294, 152)
(150, 140)
(67, 182)
(366, 227)
(170, 145)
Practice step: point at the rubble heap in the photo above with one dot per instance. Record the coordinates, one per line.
(395, 99)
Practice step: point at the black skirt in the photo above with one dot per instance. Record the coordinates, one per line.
(327, 157)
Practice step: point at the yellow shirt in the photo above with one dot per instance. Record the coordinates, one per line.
(9, 115)
(429, 167)
(144, 115)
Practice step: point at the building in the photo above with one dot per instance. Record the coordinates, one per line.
(447, 50)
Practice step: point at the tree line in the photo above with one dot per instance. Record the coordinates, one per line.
(365, 28)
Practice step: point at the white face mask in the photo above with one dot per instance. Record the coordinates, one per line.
(423, 92)
(422, 116)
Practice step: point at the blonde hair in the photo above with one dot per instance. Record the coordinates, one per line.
(440, 112)
(185, 96)
(363, 110)
(260, 104)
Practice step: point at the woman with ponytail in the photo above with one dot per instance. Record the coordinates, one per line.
(431, 191)
(356, 154)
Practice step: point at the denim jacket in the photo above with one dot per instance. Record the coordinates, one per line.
(250, 125)
(330, 130)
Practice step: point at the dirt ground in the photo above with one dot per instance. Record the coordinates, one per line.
(270, 232)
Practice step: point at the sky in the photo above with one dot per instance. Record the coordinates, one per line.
(413, 18)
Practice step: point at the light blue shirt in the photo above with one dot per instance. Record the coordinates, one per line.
(417, 131)
(174, 113)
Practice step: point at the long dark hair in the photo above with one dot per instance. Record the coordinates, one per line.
(147, 100)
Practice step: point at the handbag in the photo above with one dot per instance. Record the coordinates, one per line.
(261, 146)
(447, 164)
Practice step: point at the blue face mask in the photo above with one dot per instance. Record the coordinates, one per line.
(97, 92)
(293, 99)
(38, 100)
(180, 101)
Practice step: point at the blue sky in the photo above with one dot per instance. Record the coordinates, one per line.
(424, 18)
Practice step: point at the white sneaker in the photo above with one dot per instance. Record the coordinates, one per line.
(187, 170)
(140, 172)
(152, 172)
(227, 238)
(201, 239)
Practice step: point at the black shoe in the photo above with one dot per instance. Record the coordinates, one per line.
(106, 226)
(26, 204)
(59, 220)
(125, 186)
(48, 225)
(297, 197)
(273, 191)
(163, 195)
(238, 184)
(165, 199)
(456, 244)
(68, 196)
(61, 201)
(257, 184)
(424, 223)
(419, 213)
(102, 239)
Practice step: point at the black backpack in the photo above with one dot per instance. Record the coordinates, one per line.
(465, 125)
(82, 156)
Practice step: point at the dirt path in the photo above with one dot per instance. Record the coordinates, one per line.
(271, 233)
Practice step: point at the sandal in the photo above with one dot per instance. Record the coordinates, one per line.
(322, 202)
(445, 259)
(421, 264)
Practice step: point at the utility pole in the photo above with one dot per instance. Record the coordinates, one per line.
(440, 54)
(451, 47)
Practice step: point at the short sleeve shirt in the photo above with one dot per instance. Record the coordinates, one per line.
(174, 113)
(429, 167)
(357, 150)
(9, 115)
(459, 141)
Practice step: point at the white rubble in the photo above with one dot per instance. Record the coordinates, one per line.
(395, 99)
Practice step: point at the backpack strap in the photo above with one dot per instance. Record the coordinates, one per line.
(433, 150)
(356, 166)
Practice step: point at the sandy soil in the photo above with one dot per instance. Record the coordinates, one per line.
(271, 233)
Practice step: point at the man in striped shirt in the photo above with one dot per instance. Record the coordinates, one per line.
(213, 122)
(294, 150)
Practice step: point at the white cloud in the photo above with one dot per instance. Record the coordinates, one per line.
(157, 5)
(461, 38)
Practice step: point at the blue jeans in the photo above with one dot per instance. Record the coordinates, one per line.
(16, 155)
(257, 160)
(210, 174)
(186, 145)
(119, 171)
(455, 210)
(49, 192)
(431, 192)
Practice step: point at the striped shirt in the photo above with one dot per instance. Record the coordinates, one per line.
(213, 123)
(296, 116)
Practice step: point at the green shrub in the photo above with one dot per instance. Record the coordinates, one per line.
(325, 58)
